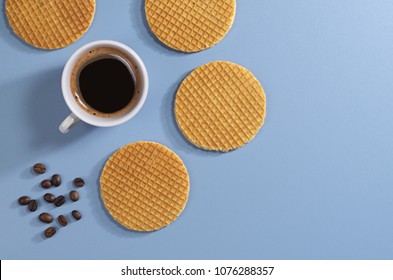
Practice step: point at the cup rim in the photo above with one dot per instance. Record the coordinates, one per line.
(82, 114)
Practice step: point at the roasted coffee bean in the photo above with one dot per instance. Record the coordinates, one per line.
(46, 184)
(62, 220)
(79, 182)
(48, 197)
(39, 168)
(24, 200)
(56, 180)
(49, 232)
(59, 201)
(45, 218)
(76, 215)
(74, 195)
(33, 204)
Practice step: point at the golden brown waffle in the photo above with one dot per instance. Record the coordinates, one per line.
(50, 24)
(190, 25)
(220, 106)
(144, 186)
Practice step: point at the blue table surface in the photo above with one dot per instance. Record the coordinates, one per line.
(315, 183)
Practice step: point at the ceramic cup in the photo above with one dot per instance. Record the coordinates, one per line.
(137, 70)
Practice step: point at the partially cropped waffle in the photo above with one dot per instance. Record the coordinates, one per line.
(190, 25)
(50, 24)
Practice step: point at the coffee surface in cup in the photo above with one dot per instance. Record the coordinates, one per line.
(106, 85)
(104, 82)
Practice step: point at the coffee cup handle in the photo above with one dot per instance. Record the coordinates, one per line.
(68, 123)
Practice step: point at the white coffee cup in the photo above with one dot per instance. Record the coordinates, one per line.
(78, 113)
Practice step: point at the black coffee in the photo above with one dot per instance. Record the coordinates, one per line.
(105, 82)
(106, 85)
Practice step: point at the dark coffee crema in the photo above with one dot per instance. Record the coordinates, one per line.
(104, 82)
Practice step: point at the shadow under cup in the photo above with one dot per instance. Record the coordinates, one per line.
(104, 83)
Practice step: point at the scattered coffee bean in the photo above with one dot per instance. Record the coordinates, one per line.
(46, 184)
(48, 197)
(56, 180)
(76, 215)
(59, 201)
(74, 196)
(33, 204)
(24, 200)
(79, 182)
(62, 220)
(49, 232)
(39, 168)
(45, 218)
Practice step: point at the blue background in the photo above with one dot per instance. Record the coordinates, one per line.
(315, 183)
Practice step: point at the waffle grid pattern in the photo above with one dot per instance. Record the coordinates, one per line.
(144, 186)
(190, 25)
(50, 24)
(220, 106)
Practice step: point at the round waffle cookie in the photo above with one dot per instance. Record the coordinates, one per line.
(50, 24)
(220, 106)
(190, 25)
(144, 186)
